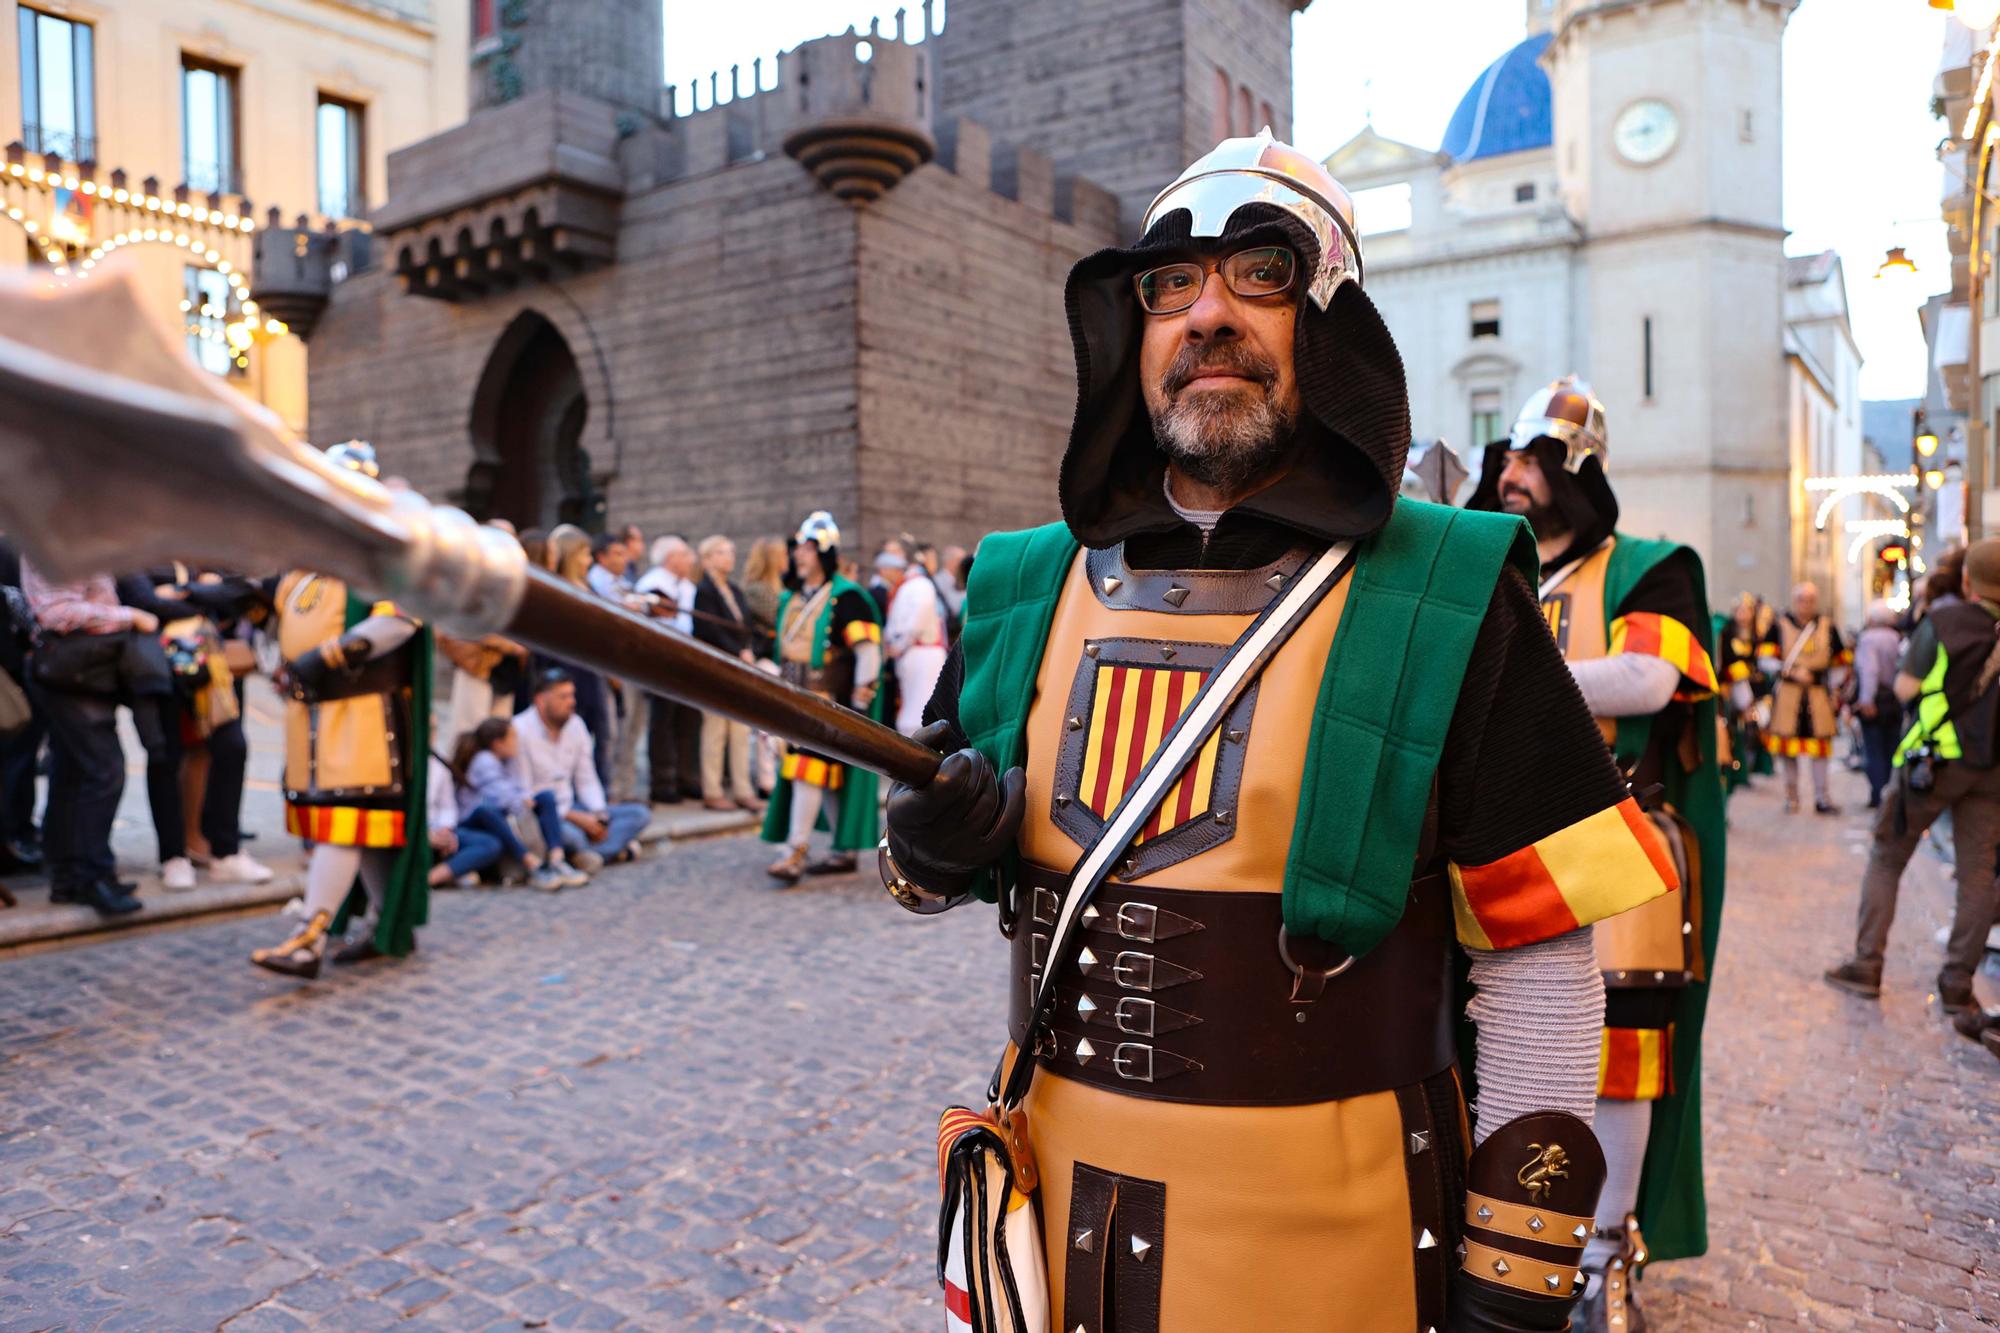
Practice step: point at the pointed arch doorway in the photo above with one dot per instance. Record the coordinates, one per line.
(529, 465)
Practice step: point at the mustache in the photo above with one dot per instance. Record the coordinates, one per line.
(1191, 363)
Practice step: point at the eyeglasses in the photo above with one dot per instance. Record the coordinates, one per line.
(1267, 270)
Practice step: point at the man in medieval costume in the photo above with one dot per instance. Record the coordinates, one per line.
(357, 676)
(1803, 717)
(1247, 1093)
(829, 641)
(1746, 660)
(1631, 618)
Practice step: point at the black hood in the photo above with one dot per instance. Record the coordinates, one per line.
(1583, 498)
(1353, 431)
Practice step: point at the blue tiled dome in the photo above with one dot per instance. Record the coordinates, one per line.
(1506, 110)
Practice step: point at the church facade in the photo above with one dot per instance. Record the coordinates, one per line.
(1606, 200)
(837, 285)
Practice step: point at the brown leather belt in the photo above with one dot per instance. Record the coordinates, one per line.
(1183, 995)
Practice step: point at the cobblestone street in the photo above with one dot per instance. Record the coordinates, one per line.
(680, 1100)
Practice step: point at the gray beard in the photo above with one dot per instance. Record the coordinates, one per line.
(1223, 443)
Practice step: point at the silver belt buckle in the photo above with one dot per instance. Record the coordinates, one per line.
(1045, 907)
(1134, 1016)
(1138, 921)
(1136, 1055)
(1133, 970)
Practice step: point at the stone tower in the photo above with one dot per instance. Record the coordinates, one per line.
(1124, 92)
(1668, 153)
(1541, 15)
(610, 49)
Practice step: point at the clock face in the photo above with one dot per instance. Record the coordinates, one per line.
(1645, 132)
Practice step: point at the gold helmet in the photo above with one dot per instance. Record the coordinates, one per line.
(1260, 170)
(1568, 413)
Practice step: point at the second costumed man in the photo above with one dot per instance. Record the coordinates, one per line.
(1246, 1090)
(1631, 618)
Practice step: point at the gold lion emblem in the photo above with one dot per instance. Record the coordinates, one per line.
(1538, 1176)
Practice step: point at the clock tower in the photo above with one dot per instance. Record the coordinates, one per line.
(1667, 144)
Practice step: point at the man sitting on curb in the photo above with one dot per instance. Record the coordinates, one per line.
(1947, 761)
(556, 755)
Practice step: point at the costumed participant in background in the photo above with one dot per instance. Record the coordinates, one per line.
(1745, 642)
(1808, 651)
(1631, 618)
(830, 642)
(1246, 1092)
(357, 749)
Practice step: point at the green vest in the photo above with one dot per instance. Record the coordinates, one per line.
(857, 830)
(1419, 592)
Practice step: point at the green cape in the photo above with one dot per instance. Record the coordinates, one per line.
(1673, 1209)
(859, 808)
(406, 900)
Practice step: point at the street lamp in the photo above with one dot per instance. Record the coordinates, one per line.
(1897, 263)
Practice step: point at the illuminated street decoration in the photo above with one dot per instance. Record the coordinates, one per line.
(1865, 530)
(1884, 485)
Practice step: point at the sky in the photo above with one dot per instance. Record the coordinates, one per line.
(1861, 171)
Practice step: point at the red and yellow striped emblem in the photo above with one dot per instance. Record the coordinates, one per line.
(1667, 639)
(1636, 1064)
(1132, 709)
(345, 825)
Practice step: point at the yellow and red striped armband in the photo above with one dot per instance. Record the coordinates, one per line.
(862, 631)
(1597, 867)
(1664, 637)
(1738, 670)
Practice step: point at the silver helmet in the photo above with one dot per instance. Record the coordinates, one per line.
(1568, 413)
(1260, 170)
(819, 529)
(355, 456)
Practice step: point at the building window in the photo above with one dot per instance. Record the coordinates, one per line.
(482, 20)
(342, 163)
(1243, 112)
(1219, 120)
(1264, 117)
(209, 127)
(1486, 427)
(208, 305)
(57, 112)
(1486, 319)
(1524, 194)
(1646, 340)
(1746, 131)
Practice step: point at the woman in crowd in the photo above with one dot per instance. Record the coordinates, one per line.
(569, 558)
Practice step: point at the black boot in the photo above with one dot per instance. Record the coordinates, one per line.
(1856, 978)
(106, 897)
(1955, 993)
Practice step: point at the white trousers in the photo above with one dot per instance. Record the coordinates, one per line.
(917, 672)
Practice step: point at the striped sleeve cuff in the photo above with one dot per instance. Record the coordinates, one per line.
(1667, 639)
(863, 631)
(1597, 867)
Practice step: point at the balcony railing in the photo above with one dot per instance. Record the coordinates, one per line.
(211, 177)
(65, 144)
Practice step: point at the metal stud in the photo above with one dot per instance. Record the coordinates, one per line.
(1275, 582)
(1619, 975)
(1420, 1140)
(1425, 1240)
(1484, 1214)
(1085, 1240)
(1460, 1251)
(1535, 1223)
(1168, 653)
(1223, 816)
(1090, 650)
(1079, 1329)
(1088, 962)
(1076, 724)
(1129, 867)
(1502, 1267)
(1090, 915)
(1085, 1052)
(1112, 583)
(1659, 976)
(1061, 802)
(1234, 735)
(1141, 1248)
(1554, 1281)
(1687, 927)
(1085, 1007)
(1581, 1234)
(1175, 595)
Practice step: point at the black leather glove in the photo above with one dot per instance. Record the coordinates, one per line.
(1518, 1275)
(944, 834)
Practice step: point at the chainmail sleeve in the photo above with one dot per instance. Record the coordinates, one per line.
(1538, 1011)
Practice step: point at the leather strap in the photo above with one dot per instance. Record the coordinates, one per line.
(1246, 659)
(1525, 1222)
(1207, 1014)
(1521, 1273)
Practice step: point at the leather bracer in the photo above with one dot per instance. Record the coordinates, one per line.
(1530, 1205)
